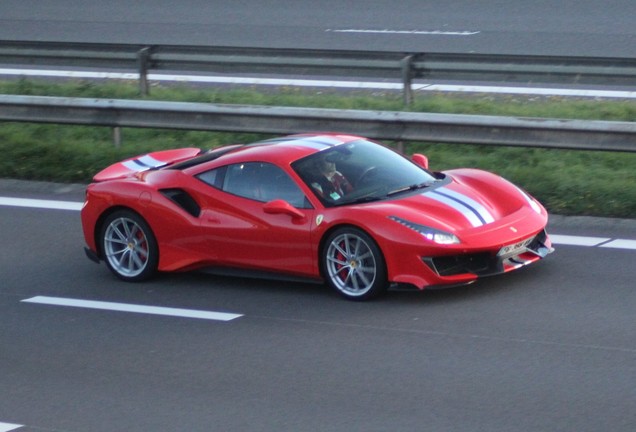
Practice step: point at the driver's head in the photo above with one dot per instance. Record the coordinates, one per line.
(327, 167)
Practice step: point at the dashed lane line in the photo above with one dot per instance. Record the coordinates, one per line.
(557, 239)
(619, 244)
(577, 240)
(133, 308)
(602, 242)
(42, 204)
(406, 32)
(6, 427)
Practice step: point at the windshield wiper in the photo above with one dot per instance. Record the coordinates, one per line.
(410, 188)
(365, 199)
(375, 197)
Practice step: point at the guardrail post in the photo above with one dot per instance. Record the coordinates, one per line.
(407, 78)
(117, 136)
(143, 59)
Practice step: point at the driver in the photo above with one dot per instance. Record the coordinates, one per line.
(330, 182)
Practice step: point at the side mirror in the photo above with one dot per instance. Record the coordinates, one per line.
(420, 160)
(280, 206)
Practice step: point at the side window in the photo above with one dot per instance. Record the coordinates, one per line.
(213, 177)
(258, 181)
(242, 180)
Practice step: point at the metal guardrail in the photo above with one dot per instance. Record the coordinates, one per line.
(405, 66)
(385, 125)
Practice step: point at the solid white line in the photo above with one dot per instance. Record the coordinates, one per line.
(6, 427)
(577, 240)
(43, 204)
(203, 79)
(68, 74)
(324, 83)
(122, 307)
(532, 91)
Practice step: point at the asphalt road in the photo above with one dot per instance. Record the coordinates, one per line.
(549, 348)
(568, 27)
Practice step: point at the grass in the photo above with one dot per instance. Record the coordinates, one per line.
(567, 182)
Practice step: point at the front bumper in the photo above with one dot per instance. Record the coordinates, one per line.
(486, 263)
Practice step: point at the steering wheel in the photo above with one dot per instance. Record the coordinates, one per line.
(372, 170)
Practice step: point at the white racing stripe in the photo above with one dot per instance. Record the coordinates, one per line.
(483, 213)
(143, 163)
(122, 307)
(474, 212)
(466, 212)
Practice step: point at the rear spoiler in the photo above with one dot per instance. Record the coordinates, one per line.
(154, 160)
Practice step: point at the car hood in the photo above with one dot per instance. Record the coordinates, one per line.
(462, 202)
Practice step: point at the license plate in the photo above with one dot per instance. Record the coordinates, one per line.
(516, 248)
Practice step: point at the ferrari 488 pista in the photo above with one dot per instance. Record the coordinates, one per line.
(325, 207)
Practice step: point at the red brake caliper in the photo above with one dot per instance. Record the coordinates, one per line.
(143, 244)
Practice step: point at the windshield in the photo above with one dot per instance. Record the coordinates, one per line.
(360, 171)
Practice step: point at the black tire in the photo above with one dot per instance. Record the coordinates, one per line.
(129, 246)
(353, 264)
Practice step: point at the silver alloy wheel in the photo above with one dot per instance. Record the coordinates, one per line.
(351, 264)
(126, 247)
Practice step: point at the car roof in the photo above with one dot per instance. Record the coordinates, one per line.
(287, 149)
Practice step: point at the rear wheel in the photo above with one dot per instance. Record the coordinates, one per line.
(353, 264)
(129, 246)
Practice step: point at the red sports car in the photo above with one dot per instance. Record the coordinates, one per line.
(327, 207)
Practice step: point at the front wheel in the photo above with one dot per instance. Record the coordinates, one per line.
(129, 247)
(353, 264)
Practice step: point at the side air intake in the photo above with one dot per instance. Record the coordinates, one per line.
(183, 200)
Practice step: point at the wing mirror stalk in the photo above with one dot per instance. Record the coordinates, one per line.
(280, 206)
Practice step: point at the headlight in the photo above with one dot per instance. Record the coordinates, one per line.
(441, 237)
(431, 234)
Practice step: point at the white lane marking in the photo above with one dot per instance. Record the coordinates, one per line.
(68, 74)
(532, 91)
(325, 83)
(123, 307)
(408, 32)
(603, 242)
(6, 427)
(577, 240)
(203, 79)
(37, 203)
(620, 244)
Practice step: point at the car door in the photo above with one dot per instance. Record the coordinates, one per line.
(257, 217)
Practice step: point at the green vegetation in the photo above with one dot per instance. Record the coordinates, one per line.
(567, 182)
